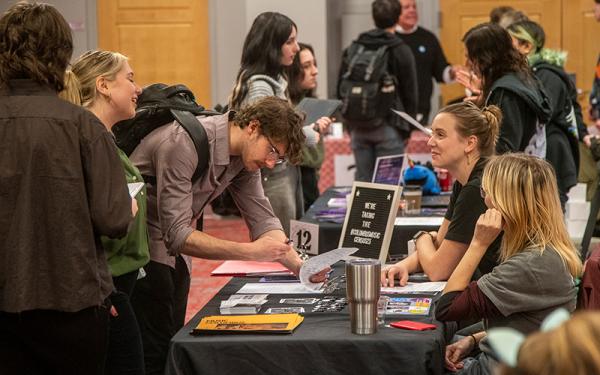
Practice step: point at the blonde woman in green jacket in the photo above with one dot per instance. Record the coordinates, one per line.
(102, 82)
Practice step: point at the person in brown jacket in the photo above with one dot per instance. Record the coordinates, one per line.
(62, 186)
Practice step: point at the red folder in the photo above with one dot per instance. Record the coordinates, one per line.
(250, 268)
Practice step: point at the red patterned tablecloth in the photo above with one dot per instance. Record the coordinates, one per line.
(333, 146)
(417, 144)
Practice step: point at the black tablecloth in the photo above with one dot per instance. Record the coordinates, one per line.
(329, 233)
(322, 344)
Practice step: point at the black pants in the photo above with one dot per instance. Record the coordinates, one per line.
(54, 342)
(310, 186)
(125, 352)
(159, 301)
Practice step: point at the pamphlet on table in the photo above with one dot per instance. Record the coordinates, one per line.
(408, 306)
(262, 323)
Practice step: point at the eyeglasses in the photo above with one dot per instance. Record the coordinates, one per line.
(274, 154)
(482, 192)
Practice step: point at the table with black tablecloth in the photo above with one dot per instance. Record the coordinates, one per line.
(322, 344)
(329, 232)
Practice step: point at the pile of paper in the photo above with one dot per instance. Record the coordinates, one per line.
(243, 304)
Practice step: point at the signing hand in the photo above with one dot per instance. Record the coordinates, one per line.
(456, 352)
(488, 227)
(389, 273)
(268, 249)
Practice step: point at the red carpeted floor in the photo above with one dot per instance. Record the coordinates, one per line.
(203, 286)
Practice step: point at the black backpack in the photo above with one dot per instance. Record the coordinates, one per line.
(159, 105)
(366, 88)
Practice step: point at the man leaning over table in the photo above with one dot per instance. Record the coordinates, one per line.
(240, 143)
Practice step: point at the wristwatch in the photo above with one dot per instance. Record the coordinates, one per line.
(419, 234)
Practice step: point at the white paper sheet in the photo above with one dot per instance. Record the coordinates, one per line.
(419, 220)
(280, 288)
(427, 287)
(134, 188)
(245, 299)
(320, 262)
(413, 122)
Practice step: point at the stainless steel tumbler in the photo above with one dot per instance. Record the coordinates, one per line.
(362, 289)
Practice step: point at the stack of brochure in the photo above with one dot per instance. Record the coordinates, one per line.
(274, 323)
(243, 304)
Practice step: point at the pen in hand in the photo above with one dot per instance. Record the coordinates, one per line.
(299, 250)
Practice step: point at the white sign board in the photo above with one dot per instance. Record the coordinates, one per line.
(305, 236)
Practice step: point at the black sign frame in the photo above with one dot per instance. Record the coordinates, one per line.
(370, 219)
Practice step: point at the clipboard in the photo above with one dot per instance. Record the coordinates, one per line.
(413, 122)
(317, 108)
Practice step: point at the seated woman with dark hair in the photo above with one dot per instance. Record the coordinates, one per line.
(538, 261)
(463, 138)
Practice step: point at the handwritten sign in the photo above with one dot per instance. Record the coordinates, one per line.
(370, 219)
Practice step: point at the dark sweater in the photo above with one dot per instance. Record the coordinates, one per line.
(563, 149)
(431, 62)
(523, 106)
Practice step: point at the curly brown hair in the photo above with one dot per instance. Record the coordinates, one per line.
(278, 121)
(35, 43)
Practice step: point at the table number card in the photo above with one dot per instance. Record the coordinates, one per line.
(305, 236)
(370, 219)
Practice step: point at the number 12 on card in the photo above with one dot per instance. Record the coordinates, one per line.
(305, 236)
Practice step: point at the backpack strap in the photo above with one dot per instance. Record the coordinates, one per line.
(198, 134)
(378, 55)
(200, 139)
(355, 55)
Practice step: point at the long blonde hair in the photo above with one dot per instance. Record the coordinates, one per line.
(523, 188)
(572, 348)
(80, 80)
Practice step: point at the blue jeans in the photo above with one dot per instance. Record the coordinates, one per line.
(368, 145)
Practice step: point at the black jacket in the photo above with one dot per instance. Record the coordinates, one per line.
(561, 130)
(523, 106)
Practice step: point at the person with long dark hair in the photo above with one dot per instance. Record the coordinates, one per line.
(507, 82)
(270, 46)
(302, 76)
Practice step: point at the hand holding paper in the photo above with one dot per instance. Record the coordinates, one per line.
(316, 265)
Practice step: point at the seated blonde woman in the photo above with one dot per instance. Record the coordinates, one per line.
(538, 262)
